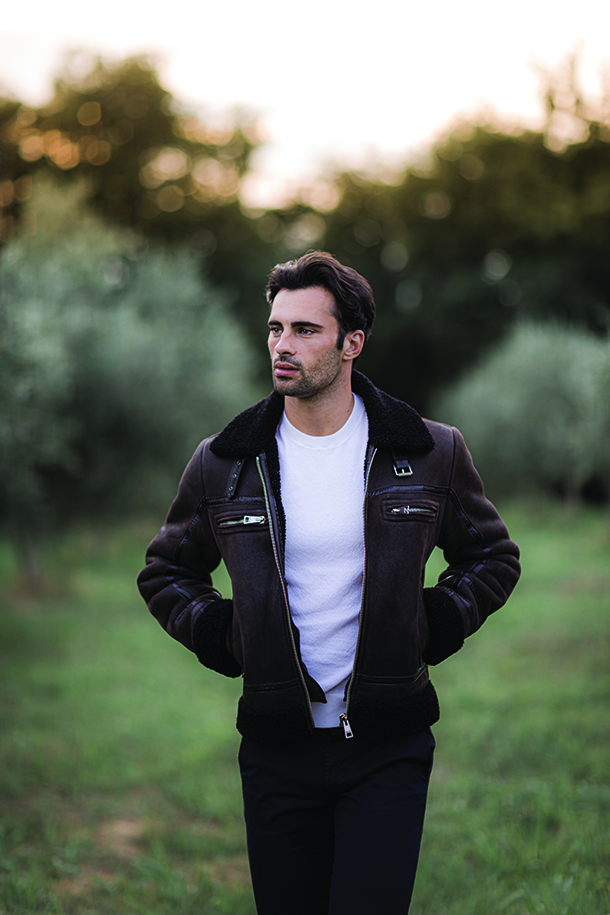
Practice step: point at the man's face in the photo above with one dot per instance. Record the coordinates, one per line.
(303, 336)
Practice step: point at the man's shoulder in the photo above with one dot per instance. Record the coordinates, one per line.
(442, 433)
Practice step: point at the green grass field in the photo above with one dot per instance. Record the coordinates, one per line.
(119, 789)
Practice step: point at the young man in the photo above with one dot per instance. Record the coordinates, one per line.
(325, 500)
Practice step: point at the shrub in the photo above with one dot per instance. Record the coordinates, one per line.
(536, 412)
(115, 360)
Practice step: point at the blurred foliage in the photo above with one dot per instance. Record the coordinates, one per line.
(493, 224)
(115, 353)
(536, 412)
(115, 360)
(151, 165)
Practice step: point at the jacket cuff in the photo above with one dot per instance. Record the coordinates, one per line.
(446, 626)
(210, 638)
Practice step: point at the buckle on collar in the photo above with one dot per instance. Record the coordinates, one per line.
(402, 468)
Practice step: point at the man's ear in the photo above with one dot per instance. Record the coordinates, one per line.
(352, 344)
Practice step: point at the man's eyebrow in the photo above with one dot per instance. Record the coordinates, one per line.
(273, 321)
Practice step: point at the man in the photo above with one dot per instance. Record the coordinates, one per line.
(325, 500)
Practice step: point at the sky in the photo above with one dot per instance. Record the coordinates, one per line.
(333, 83)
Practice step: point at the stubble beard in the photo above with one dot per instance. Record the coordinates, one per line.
(320, 380)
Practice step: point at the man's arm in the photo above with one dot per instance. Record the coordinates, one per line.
(483, 562)
(176, 582)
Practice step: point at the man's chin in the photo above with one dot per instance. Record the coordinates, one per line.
(282, 387)
(290, 387)
(284, 382)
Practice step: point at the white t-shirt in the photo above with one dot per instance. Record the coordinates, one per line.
(322, 480)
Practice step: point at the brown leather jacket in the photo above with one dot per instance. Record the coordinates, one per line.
(421, 491)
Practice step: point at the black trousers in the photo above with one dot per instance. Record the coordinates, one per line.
(334, 825)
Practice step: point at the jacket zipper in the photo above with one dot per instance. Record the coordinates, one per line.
(347, 730)
(247, 519)
(411, 510)
(283, 583)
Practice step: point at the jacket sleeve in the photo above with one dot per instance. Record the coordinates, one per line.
(483, 562)
(176, 582)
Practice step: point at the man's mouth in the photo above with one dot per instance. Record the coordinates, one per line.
(284, 369)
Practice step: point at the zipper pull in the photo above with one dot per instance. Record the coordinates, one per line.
(347, 729)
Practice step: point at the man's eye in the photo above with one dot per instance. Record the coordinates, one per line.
(276, 331)
(305, 331)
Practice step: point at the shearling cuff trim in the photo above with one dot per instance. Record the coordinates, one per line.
(446, 626)
(210, 638)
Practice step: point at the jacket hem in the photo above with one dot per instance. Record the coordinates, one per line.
(395, 718)
(379, 720)
(273, 726)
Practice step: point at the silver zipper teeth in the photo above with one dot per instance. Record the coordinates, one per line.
(279, 570)
(366, 486)
(411, 510)
(247, 519)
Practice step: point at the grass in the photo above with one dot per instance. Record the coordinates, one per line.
(118, 780)
(519, 814)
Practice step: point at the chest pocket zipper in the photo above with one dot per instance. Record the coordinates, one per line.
(411, 510)
(246, 519)
(422, 510)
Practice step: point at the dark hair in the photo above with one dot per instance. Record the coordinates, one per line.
(354, 306)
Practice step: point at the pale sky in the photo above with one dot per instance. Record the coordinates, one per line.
(332, 82)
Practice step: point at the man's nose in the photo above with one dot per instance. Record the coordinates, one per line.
(285, 342)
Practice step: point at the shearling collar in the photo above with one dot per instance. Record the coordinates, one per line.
(392, 424)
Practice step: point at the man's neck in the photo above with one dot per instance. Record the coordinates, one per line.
(320, 415)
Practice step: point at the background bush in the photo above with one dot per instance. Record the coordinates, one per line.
(117, 358)
(536, 411)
